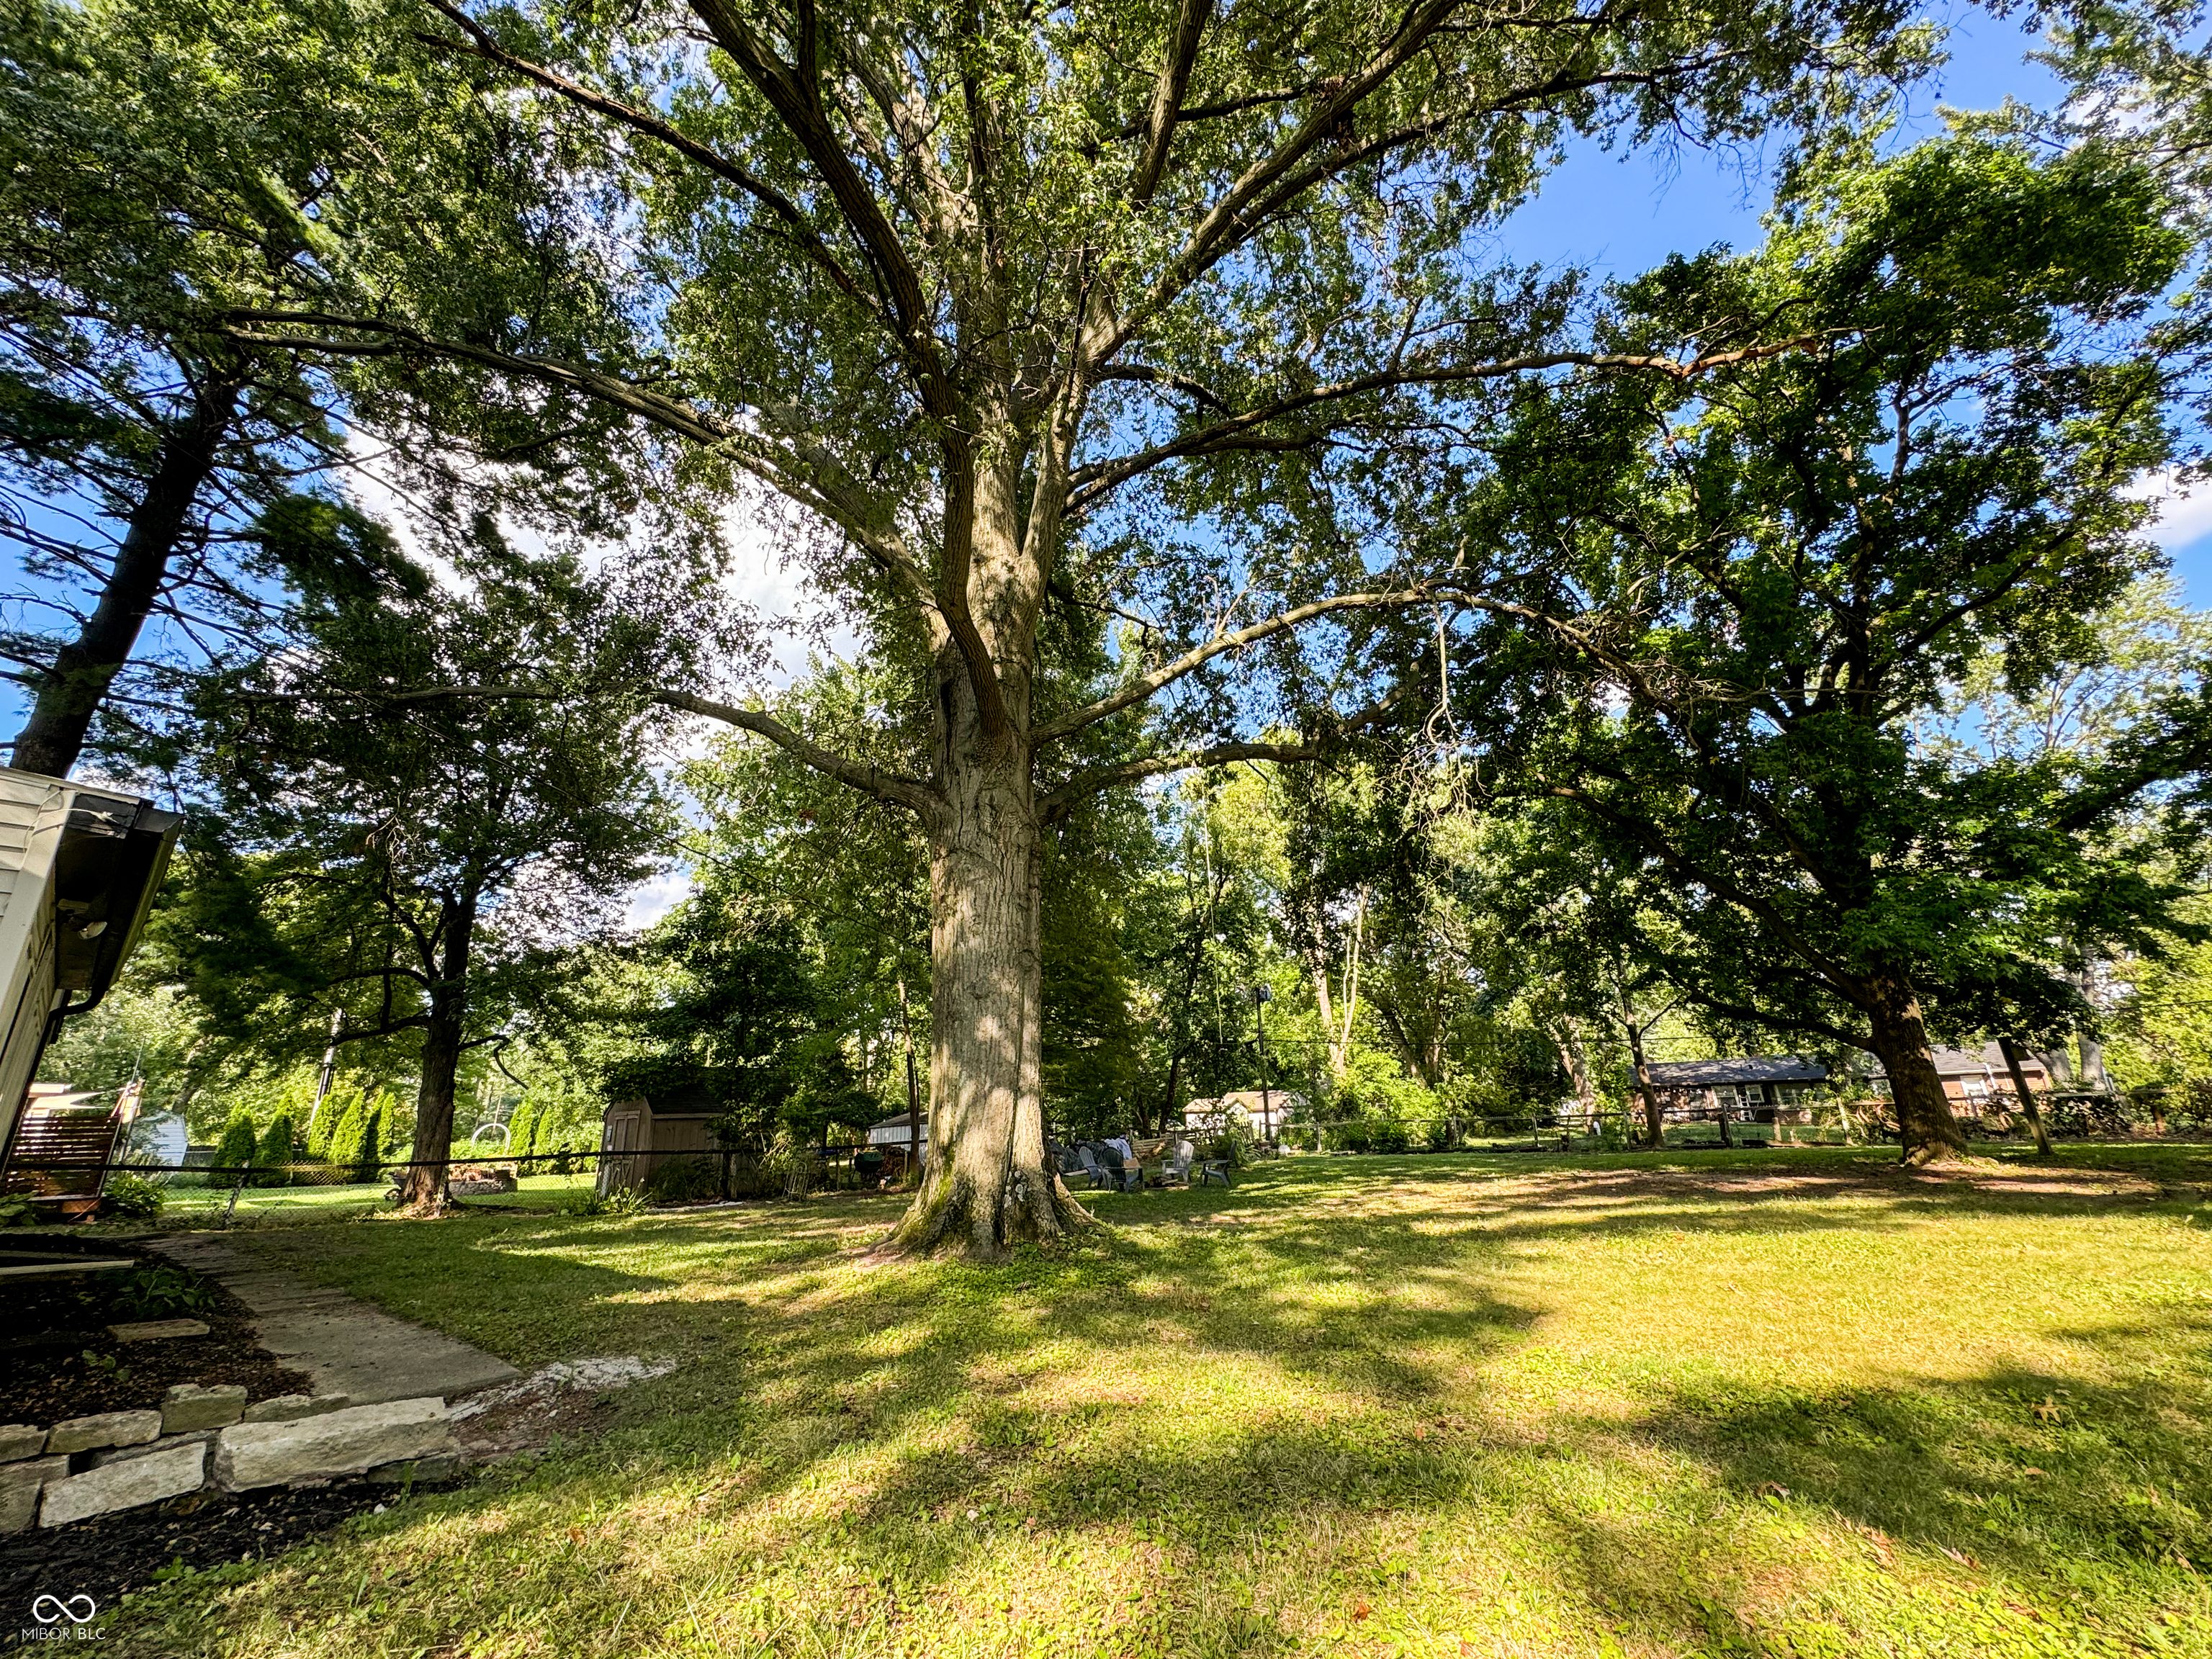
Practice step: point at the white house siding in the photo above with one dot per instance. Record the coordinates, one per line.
(33, 813)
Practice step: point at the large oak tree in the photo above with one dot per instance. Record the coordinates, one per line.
(1124, 308)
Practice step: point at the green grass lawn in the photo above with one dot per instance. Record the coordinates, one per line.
(196, 1207)
(1793, 1403)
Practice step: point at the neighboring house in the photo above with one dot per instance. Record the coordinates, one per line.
(1754, 1083)
(898, 1131)
(79, 867)
(1262, 1111)
(157, 1138)
(1762, 1082)
(1969, 1076)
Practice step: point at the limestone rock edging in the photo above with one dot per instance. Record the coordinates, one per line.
(189, 1405)
(349, 1442)
(123, 1485)
(103, 1429)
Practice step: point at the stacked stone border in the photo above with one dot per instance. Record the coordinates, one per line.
(210, 1437)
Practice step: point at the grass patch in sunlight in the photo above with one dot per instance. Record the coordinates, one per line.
(1795, 1402)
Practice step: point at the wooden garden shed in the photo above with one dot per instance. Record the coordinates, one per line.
(639, 1136)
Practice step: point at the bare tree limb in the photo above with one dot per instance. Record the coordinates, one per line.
(906, 792)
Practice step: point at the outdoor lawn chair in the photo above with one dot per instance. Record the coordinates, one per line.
(1213, 1170)
(1122, 1173)
(1087, 1165)
(1175, 1165)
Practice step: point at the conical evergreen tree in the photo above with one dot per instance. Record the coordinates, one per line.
(239, 1143)
(364, 1154)
(344, 1138)
(326, 1119)
(276, 1151)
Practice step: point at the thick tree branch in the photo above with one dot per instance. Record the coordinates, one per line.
(1206, 240)
(1143, 375)
(1142, 688)
(1058, 803)
(884, 786)
(482, 43)
(805, 472)
(793, 92)
(1272, 184)
(1239, 432)
(1166, 98)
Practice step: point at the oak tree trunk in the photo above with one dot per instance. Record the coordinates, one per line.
(986, 1183)
(69, 691)
(1929, 1133)
(424, 1189)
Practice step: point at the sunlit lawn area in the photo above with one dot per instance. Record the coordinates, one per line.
(1785, 1403)
(196, 1206)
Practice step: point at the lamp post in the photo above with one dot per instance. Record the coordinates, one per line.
(1261, 996)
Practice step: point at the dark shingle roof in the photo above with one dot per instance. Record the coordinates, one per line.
(1747, 1068)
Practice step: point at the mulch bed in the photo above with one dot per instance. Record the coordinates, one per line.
(52, 1324)
(105, 1555)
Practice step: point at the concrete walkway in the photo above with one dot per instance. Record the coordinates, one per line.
(345, 1346)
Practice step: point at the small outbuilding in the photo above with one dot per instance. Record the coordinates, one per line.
(639, 1136)
(1262, 1111)
(899, 1132)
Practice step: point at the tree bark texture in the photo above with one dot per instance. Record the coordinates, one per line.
(425, 1188)
(1655, 1116)
(2027, 1102)
(986, 1183)
(69, 691)
(1925, 1126)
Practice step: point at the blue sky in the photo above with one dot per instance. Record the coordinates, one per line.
(1619, 215)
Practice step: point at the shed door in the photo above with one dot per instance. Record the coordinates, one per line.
(619, 1135)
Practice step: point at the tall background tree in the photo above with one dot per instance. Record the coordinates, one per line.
(1777, 575)
(147, 198)
(399, 845)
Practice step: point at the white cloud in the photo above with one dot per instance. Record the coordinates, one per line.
(654, 898)
(2184, 517)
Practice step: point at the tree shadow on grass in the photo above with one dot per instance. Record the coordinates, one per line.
(827, 1416)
